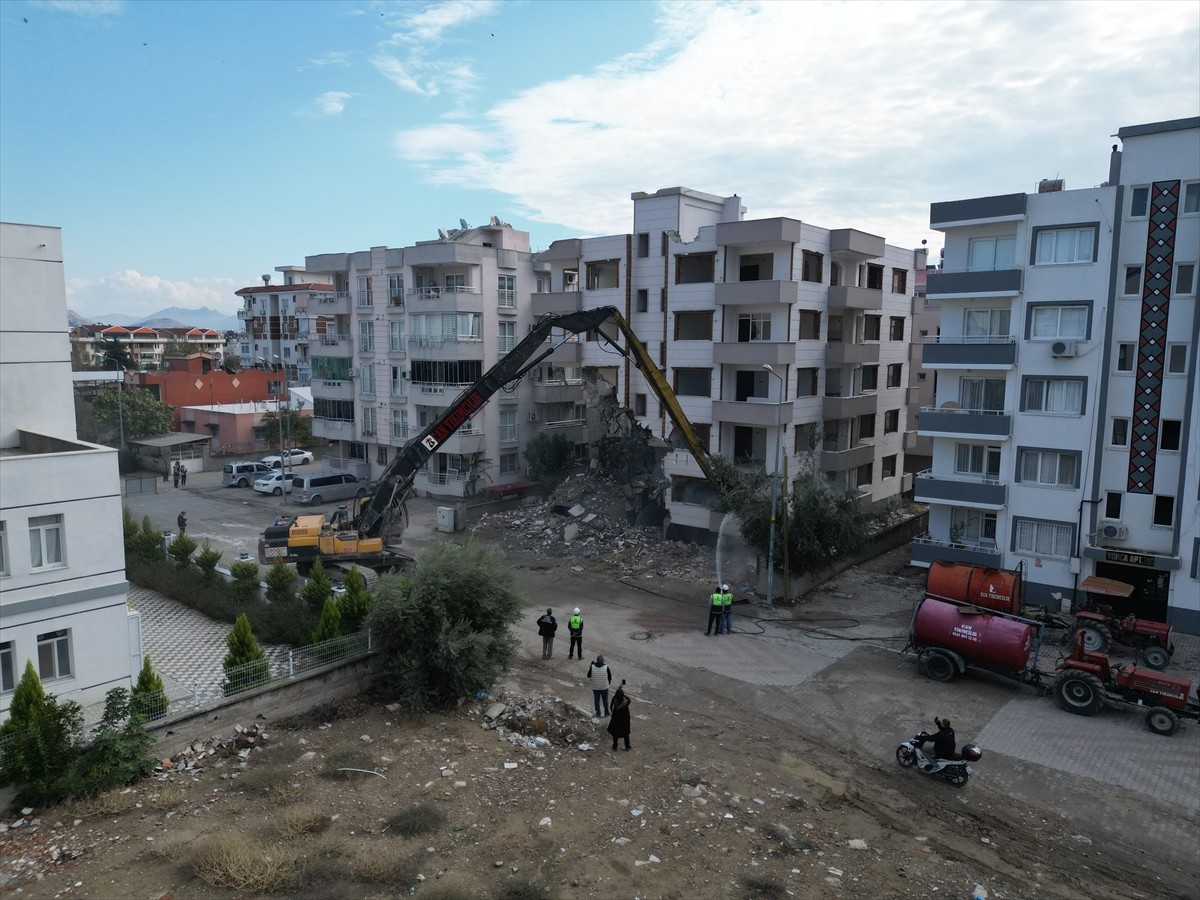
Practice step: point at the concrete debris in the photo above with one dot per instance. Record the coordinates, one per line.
(214, 750)
(535, 723)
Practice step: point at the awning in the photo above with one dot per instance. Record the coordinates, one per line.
(173, 440)
(1106, 587)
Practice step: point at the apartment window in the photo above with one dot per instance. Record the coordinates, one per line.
(891, 421)
(643, 245)
(887, 467)
(863, 475)
(1126, 355)
(812, 266)
(508, 425)
(510, 463)
(455, 282)
(542, 284)
(899, 281)
(874, 277)
(804, 438)
(1133, 281)
(1191, 198)
(4, 549)
(8, 667)
(366, 336)
(1177, 359)
(703, 432)
(396, 336)
(365, 297)
(872, 326)
(1112, 505)
(1169, 432)
(1185, 279)
(54, 654)
(1119, 433)
(981, 394)
(381, 455)
(866, 427)
(693, 326)
(46, 541)
(639, 404)
(809, 326)
(896, 329)
(1048, 467)
(1164, 510)
(643, 300)
(396, 290)
(895, 371)
(400, 425)
(506, 291)
(806, 382)
(1063, 396)
(1050, 323)
(1043, 538)
(870, 378)
(508, 336)
(989, 254)
(695, 268)
(693, 382)
(366, 380)
(754, 327)
(977, 459)
(974, 525)
(1139, 202)
(1062, 246)
(368, 421)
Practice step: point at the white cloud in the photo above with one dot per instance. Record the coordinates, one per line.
(136, 294)
(404, 76)
(842, 114)
(430, 23)
(333, 59)
(86, 8)
(331, 103)
(422, 64)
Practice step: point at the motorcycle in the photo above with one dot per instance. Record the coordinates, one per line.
(911, 754)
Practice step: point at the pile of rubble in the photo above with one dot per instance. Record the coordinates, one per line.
(537, 722)
(29, 847)
(207, 751)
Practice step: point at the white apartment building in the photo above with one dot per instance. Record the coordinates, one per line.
(147, 347)
(1064, 426)
(768, 330)
(280, 321)
(62, 572)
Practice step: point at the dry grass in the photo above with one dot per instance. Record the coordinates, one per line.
(763, 889)
(349, 758)
(419, 819)
(111, 804)
(522, 889)
(232, 861)
(275, 782)
(299, 820)
(376, 863)
(165, 795)
(451, 889)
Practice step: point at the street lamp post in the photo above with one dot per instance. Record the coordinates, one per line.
(775, 485)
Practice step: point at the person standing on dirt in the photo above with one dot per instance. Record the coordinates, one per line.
(727, 608)
(575, 627)
(181, 521)
(618, 725)
(716, 608)
(183, 476)
(547, 625)
(600, 677)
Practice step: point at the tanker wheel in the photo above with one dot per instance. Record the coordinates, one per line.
(1080, 693)
(1156, 657)
(1161, 720)
(906, 756)
(1096, 637)
(940, 667)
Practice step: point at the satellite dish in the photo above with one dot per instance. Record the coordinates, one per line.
(442, 234)
(463, 224)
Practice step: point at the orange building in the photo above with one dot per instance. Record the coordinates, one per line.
(197, 380)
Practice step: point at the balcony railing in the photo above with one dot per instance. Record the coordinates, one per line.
(398, 345)
(334, 340)
(435, 292)
(972, 491)
(564, 423)
(398, 389)
(400, 432)
(330, 297)
(396, 300)
(439, 387)
(366, 299)
(422, 340)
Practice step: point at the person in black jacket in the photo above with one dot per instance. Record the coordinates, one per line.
(618, 725)
(547, 625)
(944, 742)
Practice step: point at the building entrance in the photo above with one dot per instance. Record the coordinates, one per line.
(1150, 589)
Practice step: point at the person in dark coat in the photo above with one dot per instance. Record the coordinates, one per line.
(547, 625)
(618, 723)
(175, 474)
(183, 476)
(181, 521)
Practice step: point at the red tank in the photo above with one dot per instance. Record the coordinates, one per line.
(998, 589)
(976, 636)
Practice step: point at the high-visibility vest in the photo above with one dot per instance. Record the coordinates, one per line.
(575, 623)
(727, 599)
(718, 600)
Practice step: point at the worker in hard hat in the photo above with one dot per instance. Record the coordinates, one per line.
(727, 606)
(575, 626)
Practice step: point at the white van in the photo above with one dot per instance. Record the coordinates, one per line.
(326, 486)
(243, 474)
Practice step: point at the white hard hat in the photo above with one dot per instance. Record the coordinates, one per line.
(724, 587)
(576, 611)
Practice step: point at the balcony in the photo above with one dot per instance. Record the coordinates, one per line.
(439, 348)
(556, 303)
(947, 284)
(558, 391)
(463, 443)
(395, 301)
(779, 230)
(958, 352)
(834, 459)
(569, 353)
(924, 551)
(460, 298)
(977, 211)
(843, 297)
(754, 353)
(758, 412)
(964, 423)
(841, 353)
(854, 243)
(428, 389)
(331, 341)
(333, 429)
(575, 430)
(329, 389)
(756, 293)
(837, 407)
(976, 493)
(329, 304)
(244, 314)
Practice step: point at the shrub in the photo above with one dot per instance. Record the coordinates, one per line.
(281, 583)
(245, 664)
(328, 629)
(147, 543)
(129, 528)
(181, 550)
(296, 821)
(149, 695)
(245, 580)
(419, 819)
(118, 753)
(339, 762)
(232, 861)
(549, 453)
(317, 588)
(206, 562)
(356, 604)
(42, 740)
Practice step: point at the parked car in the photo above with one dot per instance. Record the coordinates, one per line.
(325, 486)
(291, 457)
(243, 474)
(276, 483)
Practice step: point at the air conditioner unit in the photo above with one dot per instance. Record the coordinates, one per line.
(353, 373)
(533, 417)
(405, 374)
(1114, 532)
(1063, 349)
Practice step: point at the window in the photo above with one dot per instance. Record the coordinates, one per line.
(977, 459)
(643, 244)
(895, 371)
(366, 380)
(1048, 467)
(1126, 355)
(364, 291)
(1191, 198)
(1177, 359)
(754, 327)
(506, 291)
(1051, 323)
(896, 329)
(54, 654)
(870, 378)
(693, 382)
(1185, 279)
(368, 421)
(835, 274)
(46, 541)
(809, 326)
(887, 467)
(381, 454)
(1112, 505)
(1054, 395)
(874, 277)
(1164, 510)
(455, 282)
(1139, 202)
(806, 382)
(863, 475)
(989, 254)
(396, 336)
(510, 463)
(639, 404)
(1119, 434)
(891, 421)
(508, 336)
(603, 274)
(866, 427)
(8, 668)
(812, 266)
(1133, 281)
(899, 281)
(643, 300)
(1043, 538)
(542, 285)
(974, 525)
(3, 549)
(693, 326)
(804, 438)
(508, 425)
(1061, 246)
(981, 394)
(396, 290)
(695, 268)
(1169, 432)
(366, 336)
(871, 327)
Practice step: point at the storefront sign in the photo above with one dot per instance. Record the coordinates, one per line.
(1129, 559)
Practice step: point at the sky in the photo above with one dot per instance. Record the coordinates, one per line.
(188, 148)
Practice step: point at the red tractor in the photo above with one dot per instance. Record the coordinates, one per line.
(1100, 625)
(1086, 680)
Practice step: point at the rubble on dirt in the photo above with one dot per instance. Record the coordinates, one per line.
(199, 753)
(536, 722)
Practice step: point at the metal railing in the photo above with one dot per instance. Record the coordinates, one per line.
(971, 339)
(961, 477)
(961, 410)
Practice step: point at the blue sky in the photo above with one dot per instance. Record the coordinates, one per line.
(186, 148)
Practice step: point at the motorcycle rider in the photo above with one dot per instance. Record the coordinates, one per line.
(944, 743)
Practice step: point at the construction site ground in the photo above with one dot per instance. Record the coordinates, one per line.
(762, 762)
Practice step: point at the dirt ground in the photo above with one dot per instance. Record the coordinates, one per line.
(715, 800)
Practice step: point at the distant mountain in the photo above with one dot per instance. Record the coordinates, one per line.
(171, 317)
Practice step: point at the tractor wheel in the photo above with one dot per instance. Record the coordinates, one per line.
(1096, 637)
(1080, 693)
(906, 756)
(1155, 657)
(1161, 720)
(940, 667)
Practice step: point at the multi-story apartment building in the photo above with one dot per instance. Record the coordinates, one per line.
(62, 573)
(1065, 427)
(147, 347)
(281, 320)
